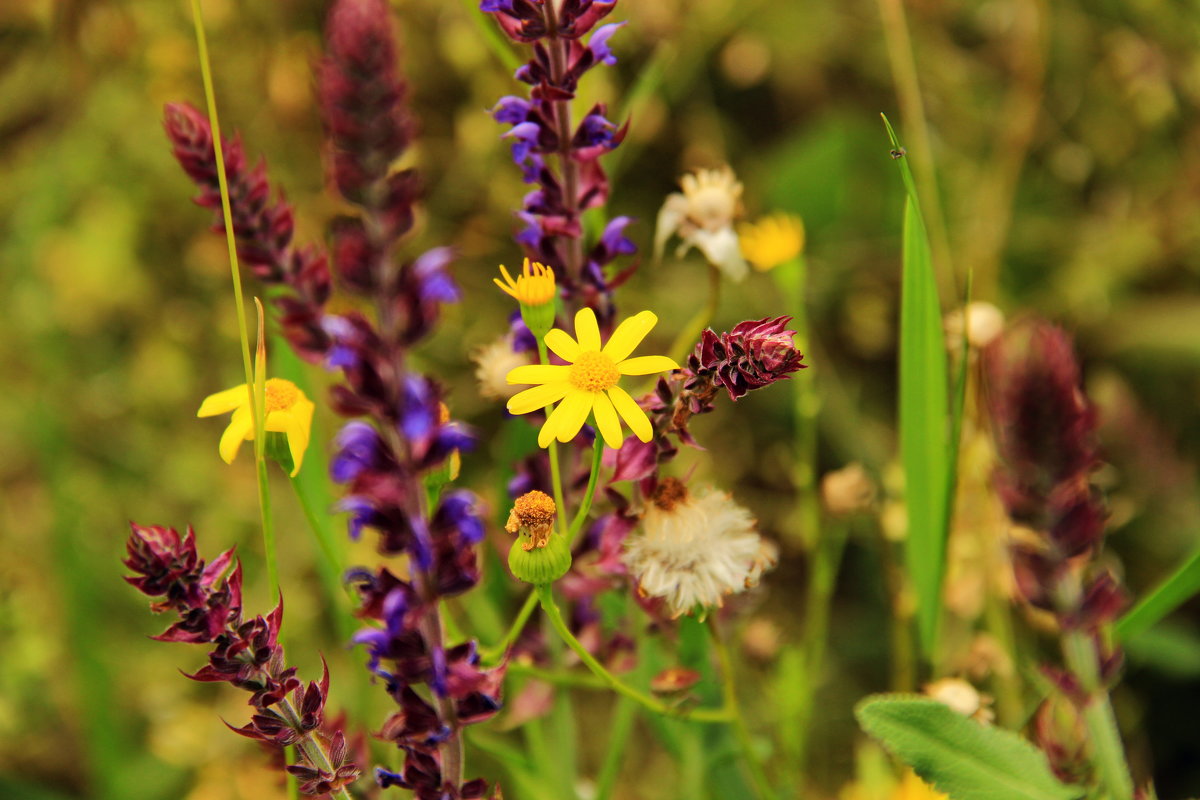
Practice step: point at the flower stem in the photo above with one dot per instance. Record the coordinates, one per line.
(545, 596)
(690, 333)
(491, 654)
(311, 746)
(555, 474)
(822, 579)
(585, 504)
(1108, 755)
(740, 730)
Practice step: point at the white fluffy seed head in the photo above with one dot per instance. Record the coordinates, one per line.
(696, 550)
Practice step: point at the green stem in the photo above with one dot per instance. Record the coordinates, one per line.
(585, 504)
(620, 725)
(330, 566)
(745, 742)
(690, 333)
(573, 680)
(555, 473)
(822, 581)
(546, 598)
(794, 278)
(491, 654)
(1108, 755)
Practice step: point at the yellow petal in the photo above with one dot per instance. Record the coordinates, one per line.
(632, 413)
(563, 346)
(586, 330)
(629, 335)
(646, 365)
(224, 402)
(606, 420)
(567, 418)
(298, 434)
(537, 397)
(241, 428)
(538, 373)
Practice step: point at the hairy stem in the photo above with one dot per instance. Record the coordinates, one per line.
(491, 654)
(546, 598)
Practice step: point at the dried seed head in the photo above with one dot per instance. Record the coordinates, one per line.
(848, 490)
(532, 513)
(669, 493)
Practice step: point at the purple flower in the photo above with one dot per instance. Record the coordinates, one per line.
(359, 448)
(435, 283)
(594, 131)
(362, 514)
(525, 138)
(457, 512)
(341, 334)
(598, 44)
(511, 110)
(613, 241)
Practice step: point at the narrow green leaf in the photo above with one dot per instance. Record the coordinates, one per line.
(1173, 592)
(963, 758)
(924, 414)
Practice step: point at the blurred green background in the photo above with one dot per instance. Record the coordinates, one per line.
(1066, 136)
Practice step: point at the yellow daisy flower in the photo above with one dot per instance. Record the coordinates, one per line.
(772, 241)
(288, 412)
(587, 384)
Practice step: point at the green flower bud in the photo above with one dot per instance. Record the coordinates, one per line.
(539, 555)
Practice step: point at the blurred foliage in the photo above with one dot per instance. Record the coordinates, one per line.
(1067, 139)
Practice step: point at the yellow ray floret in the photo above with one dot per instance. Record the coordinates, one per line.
(534, 285)
(772, 241)
(289, 412)
(587, 383)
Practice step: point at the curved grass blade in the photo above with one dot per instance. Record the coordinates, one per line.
(924, 413)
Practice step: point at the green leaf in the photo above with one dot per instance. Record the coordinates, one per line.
(1181, 586)
(924, 413)
(963, 758)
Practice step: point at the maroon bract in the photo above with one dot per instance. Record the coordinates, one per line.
(248, 655)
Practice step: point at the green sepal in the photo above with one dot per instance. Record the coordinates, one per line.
(540, 565)
(279, 451)
(539, 319)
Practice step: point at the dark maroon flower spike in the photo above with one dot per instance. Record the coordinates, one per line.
(247, 654)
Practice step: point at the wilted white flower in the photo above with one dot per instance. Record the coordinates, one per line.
(962, 697)
(703, 216)
(493, 362)
(694, 550)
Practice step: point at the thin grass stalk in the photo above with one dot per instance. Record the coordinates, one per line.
(741, 731)
(264, 496)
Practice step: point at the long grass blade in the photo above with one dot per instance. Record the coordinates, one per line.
(1181, 586)
(924, 414)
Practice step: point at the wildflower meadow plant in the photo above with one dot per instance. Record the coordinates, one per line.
(621, 564)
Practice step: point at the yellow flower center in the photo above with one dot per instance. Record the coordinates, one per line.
(280, 395)
(593, 372)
